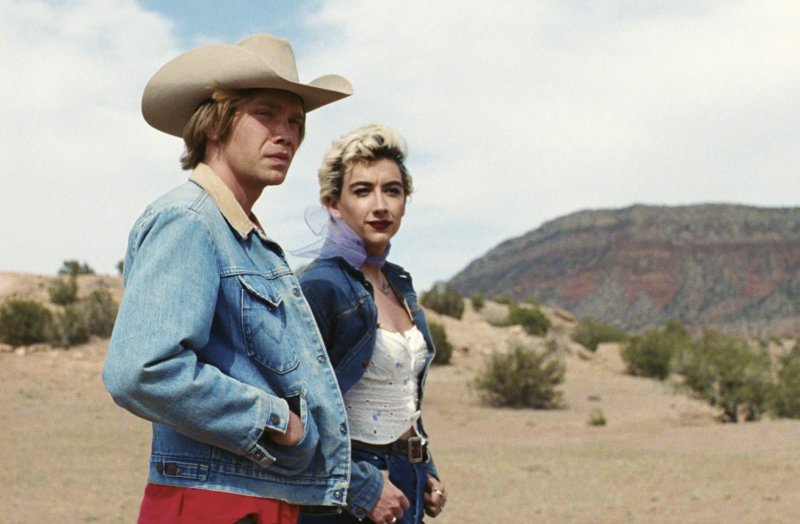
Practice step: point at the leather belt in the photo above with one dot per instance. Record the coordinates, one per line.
(415, 448)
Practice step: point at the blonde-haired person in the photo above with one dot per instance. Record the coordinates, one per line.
(374, 330)
(214, 343)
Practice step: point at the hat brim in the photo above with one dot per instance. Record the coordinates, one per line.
(173, 94)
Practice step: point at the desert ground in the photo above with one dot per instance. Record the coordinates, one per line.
(68, 454)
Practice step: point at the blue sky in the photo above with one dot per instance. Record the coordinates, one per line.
(515, 113)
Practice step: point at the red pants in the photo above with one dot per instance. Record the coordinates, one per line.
(174, 505)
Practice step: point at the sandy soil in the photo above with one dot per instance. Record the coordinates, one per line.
(68, 454)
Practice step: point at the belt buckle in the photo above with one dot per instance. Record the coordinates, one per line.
(416, 450)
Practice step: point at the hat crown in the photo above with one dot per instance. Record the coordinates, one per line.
(275, 52)
(261, 61)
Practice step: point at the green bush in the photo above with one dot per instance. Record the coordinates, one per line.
(521, 378)
(591, 334)
(532, 300)
(70, 327)
(444, 349)
(530, 318)
(443, 299)
(785, 401)
(502, 299)
(477, 302)
(727, 372)
(100, 311)
(63, 291)
(23, 322)
(596, 418)
(652, 354)
(75, 268)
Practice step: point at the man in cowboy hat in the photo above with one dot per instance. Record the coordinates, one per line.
(214, 342)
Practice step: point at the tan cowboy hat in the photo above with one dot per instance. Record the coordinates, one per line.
(260, 61)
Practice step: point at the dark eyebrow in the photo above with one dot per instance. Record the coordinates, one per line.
(358, 183)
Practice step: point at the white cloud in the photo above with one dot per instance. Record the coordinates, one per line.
(515, 113)
(524, 111)
(75, 150)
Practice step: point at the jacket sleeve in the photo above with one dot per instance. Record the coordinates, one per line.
(366, 481)
(152, 369)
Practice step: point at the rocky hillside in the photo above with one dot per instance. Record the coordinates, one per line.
(735, 268)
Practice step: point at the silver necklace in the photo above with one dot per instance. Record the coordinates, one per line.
(382, 284)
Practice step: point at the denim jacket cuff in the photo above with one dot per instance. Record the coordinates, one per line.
(365, 489)
(276, 415)
(431, 467)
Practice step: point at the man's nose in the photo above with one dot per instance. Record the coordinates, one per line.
(284, 132)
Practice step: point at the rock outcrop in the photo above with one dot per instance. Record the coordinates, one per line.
(729, 267)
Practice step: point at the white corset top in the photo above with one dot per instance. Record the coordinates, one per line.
(382, 406)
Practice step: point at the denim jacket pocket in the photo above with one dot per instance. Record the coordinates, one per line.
(264, 324)
(291, 460)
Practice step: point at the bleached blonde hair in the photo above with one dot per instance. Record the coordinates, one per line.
(368, 143)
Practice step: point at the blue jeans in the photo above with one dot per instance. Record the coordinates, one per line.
(409, 478)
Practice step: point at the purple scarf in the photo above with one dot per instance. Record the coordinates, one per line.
(338, 240)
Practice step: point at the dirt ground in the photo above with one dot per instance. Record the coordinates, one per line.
(69, 455)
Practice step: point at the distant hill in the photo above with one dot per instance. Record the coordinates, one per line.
(730, 267)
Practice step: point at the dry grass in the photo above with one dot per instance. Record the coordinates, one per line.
(69, 455)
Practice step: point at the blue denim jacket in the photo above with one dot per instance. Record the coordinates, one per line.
(342, 300)
(213, 343)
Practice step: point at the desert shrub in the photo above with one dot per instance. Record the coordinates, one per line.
(521, 378)
(100, 311)
(70, 327)
(591, 334)
(75, 268)
(444, 349)
(477, 302)
(502, 299)
(785, 401)
(63, 291)
(530, 318)
(727, 372)
(652, 354)
(597, 418)
(23, 322)
(443, 299)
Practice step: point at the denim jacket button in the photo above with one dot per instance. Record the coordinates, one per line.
(343, 430)
(160, 469)
(275, 419)
(321, 359)
(295, 292)
(172, 469)
(360, 511)
(337, 495)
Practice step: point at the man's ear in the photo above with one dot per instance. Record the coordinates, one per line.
(212, 134)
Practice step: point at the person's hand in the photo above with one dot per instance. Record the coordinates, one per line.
(435, 497)
(390, 505)
(294, 432)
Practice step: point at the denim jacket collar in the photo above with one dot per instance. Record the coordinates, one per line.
(206, 178)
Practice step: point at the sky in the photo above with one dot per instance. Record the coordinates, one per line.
(516, 113)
